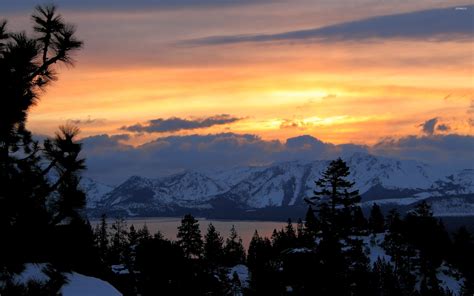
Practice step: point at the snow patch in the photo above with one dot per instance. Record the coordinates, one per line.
(242, 272)
(80, 285)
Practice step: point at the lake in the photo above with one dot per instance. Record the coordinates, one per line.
(169, 227)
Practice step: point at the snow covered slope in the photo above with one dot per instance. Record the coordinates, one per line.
(76, 283)
(94, 191)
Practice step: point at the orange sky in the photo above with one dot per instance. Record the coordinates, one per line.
(338, 91)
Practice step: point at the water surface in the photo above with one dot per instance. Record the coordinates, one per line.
(169, 227)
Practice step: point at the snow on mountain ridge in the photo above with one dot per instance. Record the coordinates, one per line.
(288, 183)
(94, 191)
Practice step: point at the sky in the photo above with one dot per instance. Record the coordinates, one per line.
(384, 76)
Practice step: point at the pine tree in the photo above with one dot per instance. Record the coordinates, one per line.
(385, 280)
(424, 232)
(130, 249)
(119, 242)
(335, 199)
(234, 252)
(143, 233)
(394, 222)
(132, 236)
(252, 253)
(311, 223)
(290, 232)
(260, 261)
(376, 219)
(304, 237)
(39, 181)
(402, 253)
(300, 228)
(462, 256)
(102, 237)
(360, 224)
(358, 271)
(213, 246)
(189, 237)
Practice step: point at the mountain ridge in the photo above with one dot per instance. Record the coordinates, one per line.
(284, 184)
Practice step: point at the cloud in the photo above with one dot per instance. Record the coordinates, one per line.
(111, 161)
(470, 121)
(125, 4)
(470, 109)
(449, 150)
(101, 144)
(432, 125)
(434, 24)
(428, 127)
(443, 127)
(87, 121)
(175, 124)
(294, 123)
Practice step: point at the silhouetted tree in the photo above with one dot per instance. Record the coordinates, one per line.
(189, 237)
(102, 237)
(376, 219)
(359, 278)
(40, 198)
(118, 241)
(143, 233)
(311, 223)
(360, 224)
(234, 252)
(462, 256)
(260, 261)
(213, 246)
(163, 269)
(335, 200)
(385, 280)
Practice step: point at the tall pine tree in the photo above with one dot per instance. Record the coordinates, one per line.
(376, 219)
(335, 198)
(189, 237)
(234, 252)
(213, 246)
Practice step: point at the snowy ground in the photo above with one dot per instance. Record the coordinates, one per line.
(242, 272)
(77, 284)
(449, 278)
(80, 285)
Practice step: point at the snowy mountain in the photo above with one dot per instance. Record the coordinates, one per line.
(383, 180)
(95, 191)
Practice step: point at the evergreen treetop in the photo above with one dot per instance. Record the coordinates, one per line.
(189, 237)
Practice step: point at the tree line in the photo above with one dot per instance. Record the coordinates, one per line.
(327, 253)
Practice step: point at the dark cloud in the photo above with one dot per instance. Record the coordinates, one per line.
(443, 127)
(86, 121)
(434, 24)
(111, 5)
(294, 123)
(450, 150)
(428, 127)
(432, 125)
(175, 124)
(111, 161)
(105, 143)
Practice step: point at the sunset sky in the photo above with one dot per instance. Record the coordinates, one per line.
(359, 72)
